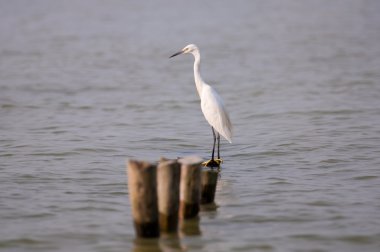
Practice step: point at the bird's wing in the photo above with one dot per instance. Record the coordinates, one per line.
(215, 113)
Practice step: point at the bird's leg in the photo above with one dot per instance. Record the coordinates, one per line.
(213, 147)
(212, 162)
(219, 160)
(218, 146)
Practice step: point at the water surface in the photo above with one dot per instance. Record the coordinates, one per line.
(86, 85)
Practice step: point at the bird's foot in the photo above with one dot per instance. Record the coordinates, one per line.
(213, 162)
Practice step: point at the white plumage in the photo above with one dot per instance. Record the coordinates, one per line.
(212, 104)
(215, 113)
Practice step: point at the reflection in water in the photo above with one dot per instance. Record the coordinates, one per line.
(171, 243)
(189, 227)
(166, 243)
(209, 207)
(145, 245)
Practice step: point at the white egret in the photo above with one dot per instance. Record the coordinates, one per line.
(212, 106)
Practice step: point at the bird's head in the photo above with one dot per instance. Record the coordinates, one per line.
(187, 49)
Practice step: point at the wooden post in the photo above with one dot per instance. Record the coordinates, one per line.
(190, 187)
(168, 177)
(208, 184)
(142, 186)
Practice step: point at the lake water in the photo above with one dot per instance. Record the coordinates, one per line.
(87, 85)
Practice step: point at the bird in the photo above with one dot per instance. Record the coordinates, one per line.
(212, 106)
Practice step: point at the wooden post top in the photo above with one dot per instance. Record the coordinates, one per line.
(191, 160)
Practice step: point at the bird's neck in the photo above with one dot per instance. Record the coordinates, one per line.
(197, 73)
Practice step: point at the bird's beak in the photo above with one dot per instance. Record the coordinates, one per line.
(177, 53)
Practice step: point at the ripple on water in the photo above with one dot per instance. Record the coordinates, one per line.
(56, 154)
(354, 239)
(366, 177)
(332, 161)
(279, 181)
(26, 243)
(255, 247)
(8, 106)
(247, 218)
(321, 203)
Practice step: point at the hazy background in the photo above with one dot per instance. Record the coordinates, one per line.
(86, 85)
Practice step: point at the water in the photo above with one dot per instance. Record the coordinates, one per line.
(86, 85)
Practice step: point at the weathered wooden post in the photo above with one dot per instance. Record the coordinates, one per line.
(190, 187)
(168, 177)
(208, 185)
(142, 186)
